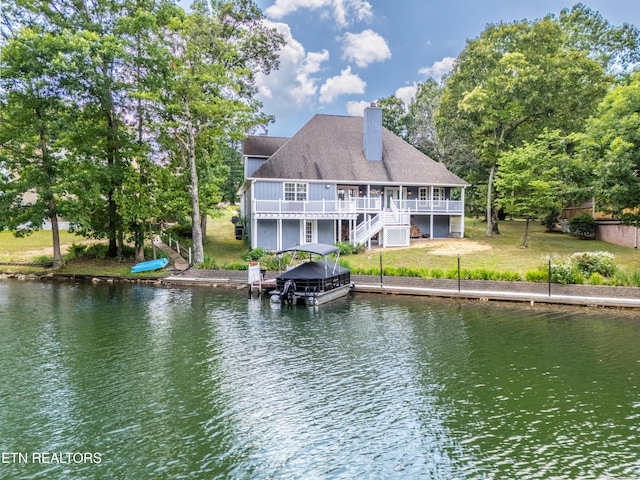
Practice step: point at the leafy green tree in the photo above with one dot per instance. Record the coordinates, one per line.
(231, 158)
(420, 121)
(108, 61)
(612, 145)
(514, 81)
(615, 48)
(393, 115)
(210, 94)
(31, 120)
(532, 180)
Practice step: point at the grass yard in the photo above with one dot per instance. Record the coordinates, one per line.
(30, 248)
(502, 253)
(221, 245)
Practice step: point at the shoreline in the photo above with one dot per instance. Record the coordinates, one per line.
(588, 296)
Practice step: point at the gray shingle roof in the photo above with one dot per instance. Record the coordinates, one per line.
(330, 148)
(255, 146)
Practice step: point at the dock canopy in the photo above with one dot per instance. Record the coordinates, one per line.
(323, 249)
(322, 269)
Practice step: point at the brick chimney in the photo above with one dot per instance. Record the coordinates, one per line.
(373, 133)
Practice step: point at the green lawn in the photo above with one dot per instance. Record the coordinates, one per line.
(25, 249)
(502, 253)
(221, 244)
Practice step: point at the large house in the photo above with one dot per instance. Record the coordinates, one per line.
(346, 179)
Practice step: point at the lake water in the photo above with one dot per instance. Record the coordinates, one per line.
(134, 382)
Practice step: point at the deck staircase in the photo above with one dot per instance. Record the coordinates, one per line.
(365, 230)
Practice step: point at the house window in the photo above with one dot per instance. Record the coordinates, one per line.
(310, 231)
(295, 192)
(438, 195)
(423, 195)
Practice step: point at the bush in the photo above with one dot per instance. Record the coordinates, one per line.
(594, 262)
(437, 273)
(551, 220)
(255, 255)
(76, 251)
(181, 230)
(566, 273)
(538, 276)
(634, 279)
(347, 248)
(583, 226)
(208, 263)
(596, 279)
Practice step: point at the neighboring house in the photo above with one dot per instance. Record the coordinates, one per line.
(346, 179)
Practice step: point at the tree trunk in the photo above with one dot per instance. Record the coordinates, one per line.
(495, 217)
(490, 218)
(50, 199)
(139, 254)
(203, 227)
(55, 234)
(196, 227)
(525, 238)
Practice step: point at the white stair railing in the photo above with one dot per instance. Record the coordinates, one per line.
(369, 228)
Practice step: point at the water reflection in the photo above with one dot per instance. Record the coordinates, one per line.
(204, 383)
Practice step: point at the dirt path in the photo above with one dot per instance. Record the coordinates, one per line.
(447, 247)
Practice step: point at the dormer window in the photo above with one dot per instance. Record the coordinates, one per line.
(295, 192)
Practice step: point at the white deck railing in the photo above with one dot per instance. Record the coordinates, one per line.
(430, 206)
(354, 206)
(320, 207)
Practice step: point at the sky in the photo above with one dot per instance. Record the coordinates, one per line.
(342, 55)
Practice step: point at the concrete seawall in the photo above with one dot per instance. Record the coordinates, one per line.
(483, 290)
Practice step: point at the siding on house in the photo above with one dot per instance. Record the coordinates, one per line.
(358, 162)
(252, 164)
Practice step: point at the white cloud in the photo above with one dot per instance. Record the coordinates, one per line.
(439, 69)
(356, 109)
(359, 9)
(407, 94)
(343, 84)
(283, 7)
(344, 11)
(365, 48)
(293, 85)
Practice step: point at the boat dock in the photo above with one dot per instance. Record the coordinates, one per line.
(480, 290)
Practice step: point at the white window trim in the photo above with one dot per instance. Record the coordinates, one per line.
(441, 193)
(423, 200)
(303, 231)
(298, 187)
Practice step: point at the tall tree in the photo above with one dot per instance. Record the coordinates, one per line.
(31, 120)
(210, 94)
(533, 180)
(512, 82)
(612, 146)
(394, 115)
(108, 52)
(420, 120)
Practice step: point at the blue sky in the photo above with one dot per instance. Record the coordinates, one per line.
(344, 54)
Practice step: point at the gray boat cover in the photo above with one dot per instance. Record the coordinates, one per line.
(314, 270)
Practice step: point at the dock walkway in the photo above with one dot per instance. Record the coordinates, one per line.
(522, 292)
